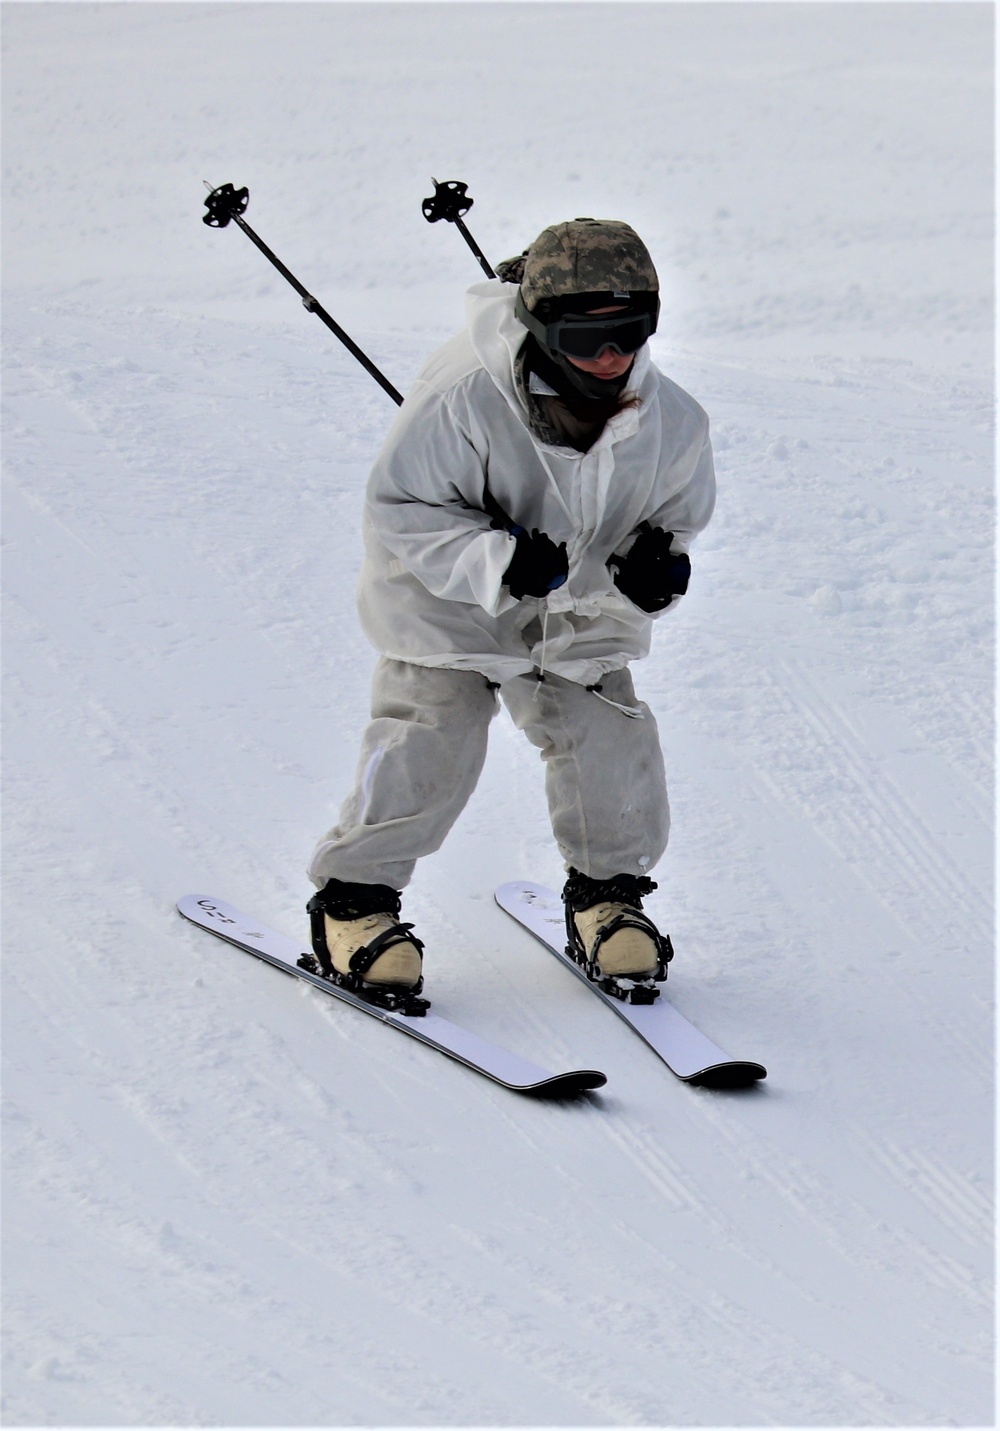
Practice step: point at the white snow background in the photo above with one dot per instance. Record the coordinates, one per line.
(231, 1201)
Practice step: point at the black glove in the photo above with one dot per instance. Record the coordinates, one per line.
(537, 567)
(651, 575)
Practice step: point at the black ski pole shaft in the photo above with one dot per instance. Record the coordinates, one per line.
(312, 305)
(484, 265)
(450, 201)
(225, 203)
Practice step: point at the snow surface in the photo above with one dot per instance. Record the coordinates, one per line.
(230, 1201)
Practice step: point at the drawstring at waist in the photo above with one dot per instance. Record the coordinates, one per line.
(540, 674)
(633, 712)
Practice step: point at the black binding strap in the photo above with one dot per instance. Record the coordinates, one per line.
(342, 900)
(362, 959)
(582, 892)
(630, 919)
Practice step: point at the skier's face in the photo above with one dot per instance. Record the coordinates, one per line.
(608, 363)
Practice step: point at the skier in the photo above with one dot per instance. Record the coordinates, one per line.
(529, 515)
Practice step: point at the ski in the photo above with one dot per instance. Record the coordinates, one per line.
(683, 1048)
(495, 1063)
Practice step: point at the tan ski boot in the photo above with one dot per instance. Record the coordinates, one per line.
(358, 938)
(608, 933)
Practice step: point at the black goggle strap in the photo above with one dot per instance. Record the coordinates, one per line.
(534, 325)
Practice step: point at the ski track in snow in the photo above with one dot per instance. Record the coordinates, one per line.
(231, 1201)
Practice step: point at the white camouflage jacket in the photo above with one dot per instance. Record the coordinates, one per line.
(431, 586)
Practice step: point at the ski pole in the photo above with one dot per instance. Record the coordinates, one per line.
(225, 203)
(450, 201)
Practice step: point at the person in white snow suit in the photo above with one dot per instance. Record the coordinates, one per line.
(528, 518)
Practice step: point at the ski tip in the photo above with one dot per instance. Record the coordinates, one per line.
(733, 1074)
(566, 1085)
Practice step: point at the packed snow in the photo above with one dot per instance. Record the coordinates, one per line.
(232, 1201)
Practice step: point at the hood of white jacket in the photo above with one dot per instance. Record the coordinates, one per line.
(497, 337)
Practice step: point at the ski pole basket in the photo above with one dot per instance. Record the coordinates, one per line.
(450, 200)
(223, 204)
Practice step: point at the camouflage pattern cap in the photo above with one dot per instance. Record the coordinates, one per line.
(586, 256)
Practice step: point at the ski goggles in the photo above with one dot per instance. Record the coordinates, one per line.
(585, 335)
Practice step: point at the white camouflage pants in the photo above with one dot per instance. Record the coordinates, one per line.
(423, 753)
